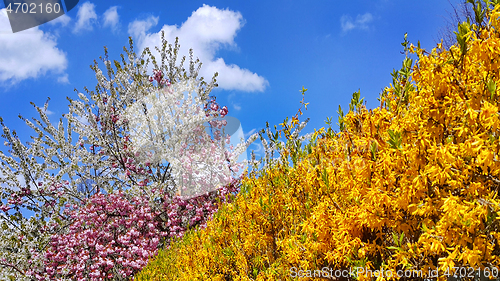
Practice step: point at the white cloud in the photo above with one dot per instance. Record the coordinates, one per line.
(207, 30)
(138, 28)
(63, 79)
(27, 54)
(248, 134)
(236, 107)
(86, 17)
(111, 18)
(232, 77)
(48, 112)
(361, 22)
(259, 151)
(62, 20)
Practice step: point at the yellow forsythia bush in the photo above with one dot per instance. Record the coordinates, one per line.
(410, 185)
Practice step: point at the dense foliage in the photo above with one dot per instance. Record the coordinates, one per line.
(410, 185)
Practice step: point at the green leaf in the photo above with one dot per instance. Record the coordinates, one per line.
(373, 150)
(463, 29)
(255, 272)
(395, 248)
(324, 176)
(424, 227)
(228, 252)
(395, 238)
(341, 119)
(355, 101)
(395, 140)
(492, 87)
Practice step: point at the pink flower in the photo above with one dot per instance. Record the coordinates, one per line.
(4, 208)
(224, 111)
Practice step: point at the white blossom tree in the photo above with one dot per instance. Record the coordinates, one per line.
(99, 147)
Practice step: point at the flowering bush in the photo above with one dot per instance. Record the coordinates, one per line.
(65, 175)
(410, 185)
(110, 237)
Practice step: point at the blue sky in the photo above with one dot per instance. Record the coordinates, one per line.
(265, 51)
